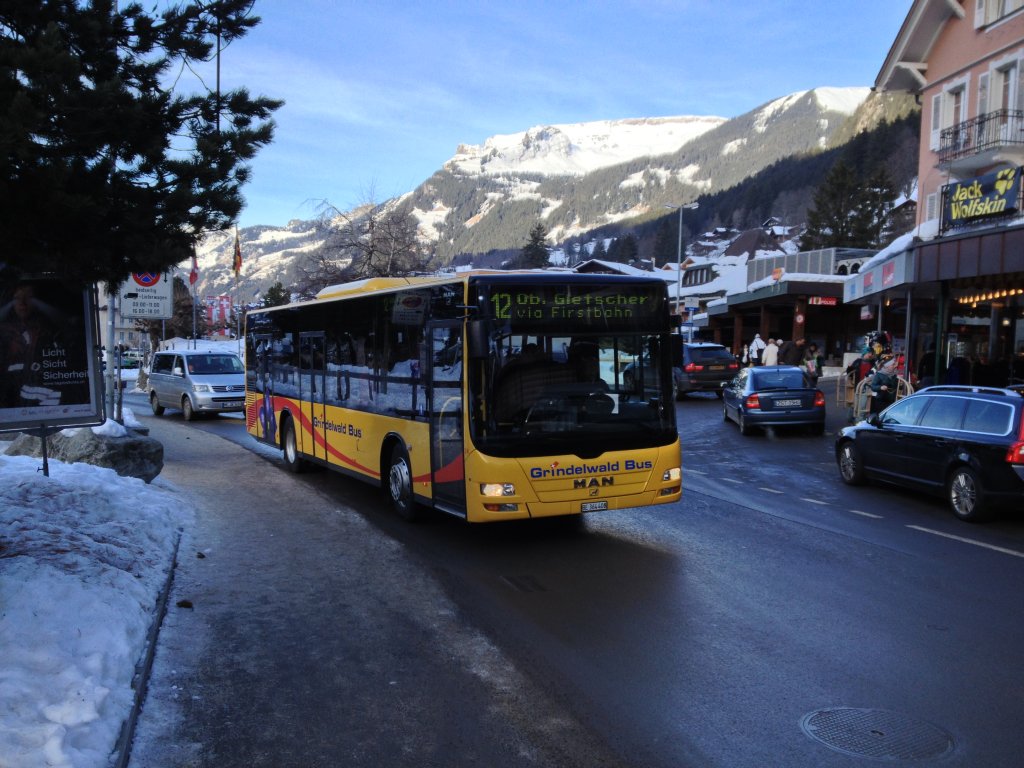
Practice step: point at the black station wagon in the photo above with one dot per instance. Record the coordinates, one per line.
(966, 443)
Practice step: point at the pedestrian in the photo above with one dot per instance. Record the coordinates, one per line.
(813, 363)
(856, 372)
(926, 367)
(756, 349)
(792, 352)
(770, 356)
(883, 384)
(745, 355)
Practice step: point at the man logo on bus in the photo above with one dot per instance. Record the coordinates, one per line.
(593, 482)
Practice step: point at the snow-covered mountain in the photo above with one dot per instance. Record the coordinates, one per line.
(571, 177)
(578, 148)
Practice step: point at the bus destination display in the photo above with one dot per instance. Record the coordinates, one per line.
(559, 303)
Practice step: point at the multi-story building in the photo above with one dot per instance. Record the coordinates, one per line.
(959, 283)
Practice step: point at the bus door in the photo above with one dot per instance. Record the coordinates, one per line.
(444, 399)
(312, 388)
(263, 346)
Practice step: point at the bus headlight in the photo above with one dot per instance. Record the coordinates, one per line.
(672, 475)
(497, 489)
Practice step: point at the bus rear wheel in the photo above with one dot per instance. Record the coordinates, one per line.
(400, 485)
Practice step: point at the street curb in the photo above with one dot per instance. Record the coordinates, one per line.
(144, 667)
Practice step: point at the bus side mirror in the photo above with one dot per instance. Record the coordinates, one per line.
(476, 339)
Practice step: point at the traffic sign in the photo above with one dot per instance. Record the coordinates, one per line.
(147, 296)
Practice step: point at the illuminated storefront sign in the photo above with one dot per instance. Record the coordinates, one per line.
(991, 195)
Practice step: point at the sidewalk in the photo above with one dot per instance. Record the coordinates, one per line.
(298, 634)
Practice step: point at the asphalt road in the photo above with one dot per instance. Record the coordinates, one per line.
(773, 617)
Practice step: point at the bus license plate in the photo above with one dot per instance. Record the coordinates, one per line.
(593, 506)
(787, 403)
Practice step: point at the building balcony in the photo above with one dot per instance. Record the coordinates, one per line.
(983, 141)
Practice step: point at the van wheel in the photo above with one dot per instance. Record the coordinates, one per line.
(400, 485)
(154, 403)
(965, 496)
(290, 448)
(186, 409)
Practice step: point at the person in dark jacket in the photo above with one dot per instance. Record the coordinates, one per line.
(883, 384)
(792, 352)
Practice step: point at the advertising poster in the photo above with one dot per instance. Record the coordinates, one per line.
(48, 366)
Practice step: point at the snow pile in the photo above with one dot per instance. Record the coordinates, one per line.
(84, 555)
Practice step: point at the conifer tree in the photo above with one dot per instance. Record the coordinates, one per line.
(536, 254)
(106, 169)
(666, 243)
(850, 212)
(276, 295)
(831, 223)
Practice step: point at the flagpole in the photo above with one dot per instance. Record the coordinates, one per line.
(238, 268)
(193, 281)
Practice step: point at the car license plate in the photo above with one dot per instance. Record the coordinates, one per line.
(593, 506)
(787, 403)
(716, 367)
(234, 403)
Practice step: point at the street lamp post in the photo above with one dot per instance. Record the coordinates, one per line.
(679, 251)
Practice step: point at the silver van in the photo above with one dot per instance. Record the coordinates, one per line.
(196, 382)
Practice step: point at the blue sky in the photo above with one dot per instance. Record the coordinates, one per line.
(379, 94)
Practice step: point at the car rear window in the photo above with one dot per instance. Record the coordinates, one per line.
(786, 380)
(988, 418)
(944, 413)
(708, 354)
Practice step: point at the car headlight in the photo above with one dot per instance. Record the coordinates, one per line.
(201, 388)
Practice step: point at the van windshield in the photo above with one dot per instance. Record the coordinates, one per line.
(214, 364)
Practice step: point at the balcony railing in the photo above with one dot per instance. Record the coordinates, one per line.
(993, 130)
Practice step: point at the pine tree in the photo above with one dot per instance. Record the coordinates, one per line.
(536, 254)
(105, 169)
(623, 250)
(872, 221)
(666, 243)
(831, 223)
(276, 296)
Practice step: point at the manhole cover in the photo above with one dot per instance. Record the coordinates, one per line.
(876, 734)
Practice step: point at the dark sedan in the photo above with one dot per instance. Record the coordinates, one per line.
(773, 396)
(964, 443)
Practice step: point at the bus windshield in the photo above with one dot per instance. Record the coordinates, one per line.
(561, 366)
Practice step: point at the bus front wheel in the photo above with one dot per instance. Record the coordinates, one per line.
(400, 485)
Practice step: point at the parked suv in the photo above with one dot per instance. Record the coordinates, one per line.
(696, 367)
(196, 382)
(965, 443)
(705, 367)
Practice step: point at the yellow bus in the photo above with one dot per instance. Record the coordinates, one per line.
(490, 396)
